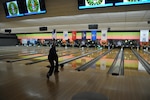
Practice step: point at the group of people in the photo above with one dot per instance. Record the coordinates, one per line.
(53, 60)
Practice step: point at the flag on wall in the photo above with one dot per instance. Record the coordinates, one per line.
(84, 35)
(144, 35)
(93, 35)
(54, 34)
(104, 35)
(65, 33)
(74, 35)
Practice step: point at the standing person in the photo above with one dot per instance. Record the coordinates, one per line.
(52, 57)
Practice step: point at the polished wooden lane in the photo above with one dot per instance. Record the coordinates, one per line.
(23, 82)
(145, 55)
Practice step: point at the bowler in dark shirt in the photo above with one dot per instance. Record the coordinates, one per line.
(53, 58)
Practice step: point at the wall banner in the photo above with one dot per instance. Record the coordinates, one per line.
(144, 35)
(65, 33)
(104, 35)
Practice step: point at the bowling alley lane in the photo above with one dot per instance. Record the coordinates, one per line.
(63, 55)
(132, 65)
(20, 52)
(61, 52)
(22, 49)
(39, 57)
(144, 55)
(20, 56)
(81, 61)
(103, 64)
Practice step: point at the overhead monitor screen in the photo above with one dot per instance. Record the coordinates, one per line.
(84, 4)
(13, 9)
(35, 7)
(132, 2)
